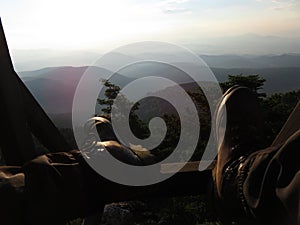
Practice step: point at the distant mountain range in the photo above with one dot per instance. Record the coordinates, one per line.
(250, 61)
(54, 87)
(218, 61)
(278, 80)
(249, 43)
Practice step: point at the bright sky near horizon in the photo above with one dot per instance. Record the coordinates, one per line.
(88, 24)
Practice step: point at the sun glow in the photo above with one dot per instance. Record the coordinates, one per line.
(83, 24)
(94, 25)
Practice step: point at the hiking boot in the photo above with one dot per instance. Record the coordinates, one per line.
(238, 131)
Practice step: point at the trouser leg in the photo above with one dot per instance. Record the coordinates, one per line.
(15, 139)
(288, 181)
(278, 199)
(272, 187)
(20, 114)
(264, 187)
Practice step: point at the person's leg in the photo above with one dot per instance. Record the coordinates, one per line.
(15, 139)
(11, 194)
(21, 114)
(288, 181)
(238, 119)
(272, 186)
(254, 186)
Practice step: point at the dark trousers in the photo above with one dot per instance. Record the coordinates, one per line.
(264, 187)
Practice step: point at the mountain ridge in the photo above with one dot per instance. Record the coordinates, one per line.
(55, 91)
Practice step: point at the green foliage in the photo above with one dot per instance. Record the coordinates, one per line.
(254, 82)
(139, 126)
(75, 222)
(191, 210)
(276, 110)
(173, 124)
(111, 93)
(204, 114)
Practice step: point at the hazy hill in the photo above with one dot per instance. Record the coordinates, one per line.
(249, 43)
(278, 79)
(40, 58)
(32, 59)
(54, 87)
(266, 61)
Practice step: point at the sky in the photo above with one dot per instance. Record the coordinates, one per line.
(99, 24)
